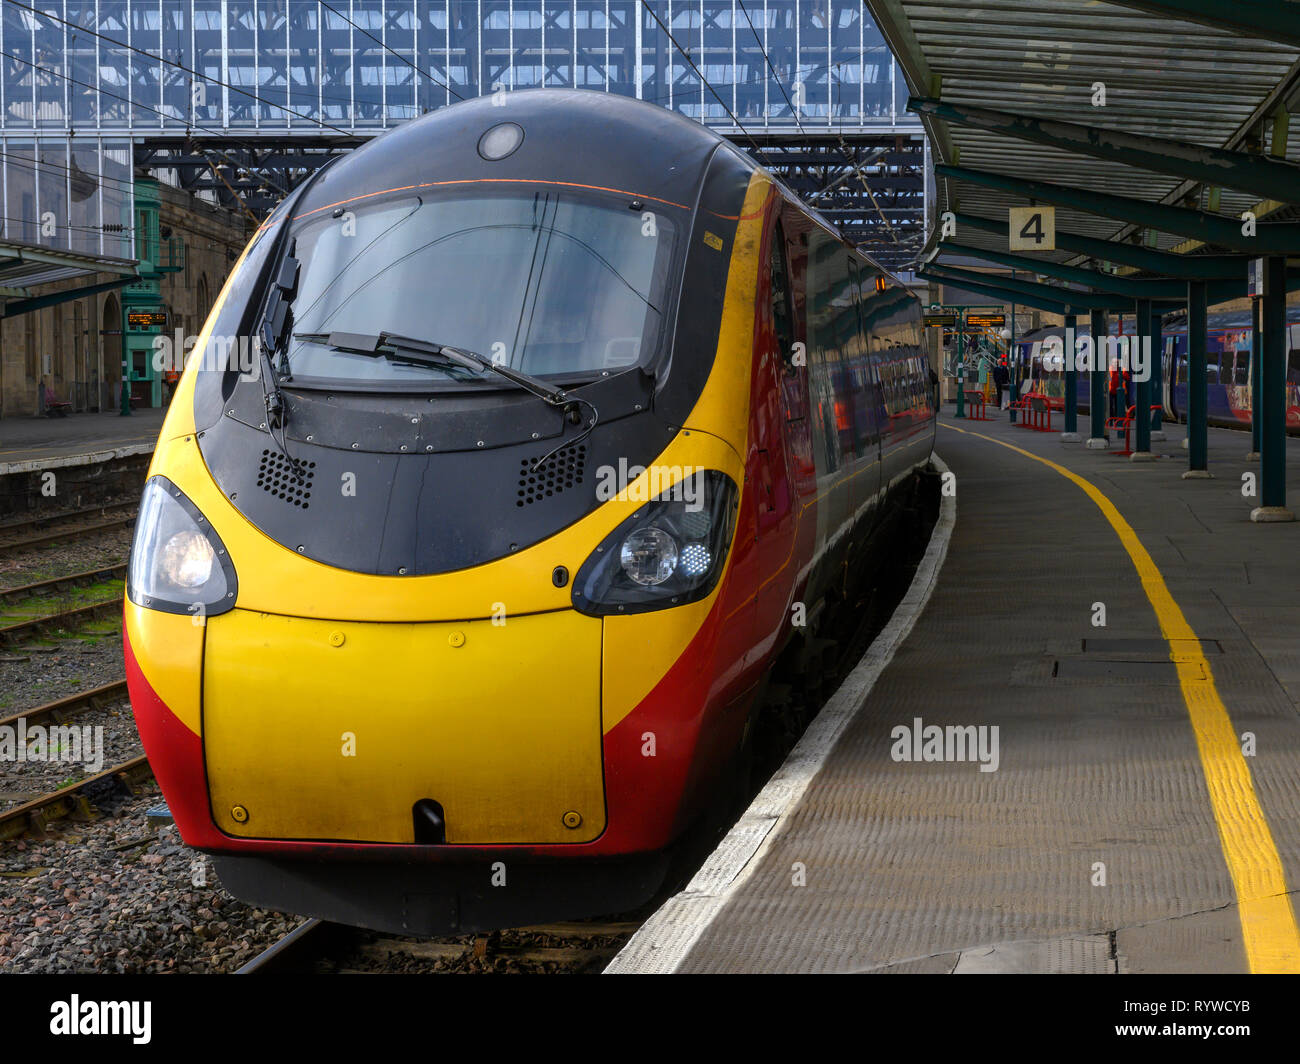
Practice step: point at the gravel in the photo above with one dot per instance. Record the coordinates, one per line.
(110, 895)
(115, 896)
(102, 549)
(42, 671)
(24, 780)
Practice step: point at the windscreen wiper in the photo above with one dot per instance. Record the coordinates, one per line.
(434, 354)
(275, 322)
(412, 349)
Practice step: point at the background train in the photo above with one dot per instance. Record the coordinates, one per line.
(1228, 368)
(454, 611)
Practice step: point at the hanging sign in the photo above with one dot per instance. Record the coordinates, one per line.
(1033, 228)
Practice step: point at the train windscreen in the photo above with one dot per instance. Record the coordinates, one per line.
(543, 282)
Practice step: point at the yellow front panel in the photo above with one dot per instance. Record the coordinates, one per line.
(321, 729)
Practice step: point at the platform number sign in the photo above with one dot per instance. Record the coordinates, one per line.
(1033, 228)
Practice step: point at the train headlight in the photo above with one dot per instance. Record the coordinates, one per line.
(648, 556)
(178, 563)
(670, 552)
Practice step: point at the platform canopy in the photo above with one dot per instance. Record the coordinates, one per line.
(25, 267)
(1176, 110)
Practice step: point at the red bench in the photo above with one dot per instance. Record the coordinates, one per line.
(1041, 407)
(1126, 423)
(975, 399)
(55, 407)
(1036, 410)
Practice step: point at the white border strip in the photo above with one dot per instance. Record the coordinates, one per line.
(664, 941)
(36, 465)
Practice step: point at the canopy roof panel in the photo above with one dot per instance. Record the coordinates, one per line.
(1172, 78)
(27, 266)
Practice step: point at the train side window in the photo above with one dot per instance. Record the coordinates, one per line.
(782, 318)
(1293, 367)
(1241, 374)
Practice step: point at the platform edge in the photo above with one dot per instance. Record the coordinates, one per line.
(663, 942)
(67, 461)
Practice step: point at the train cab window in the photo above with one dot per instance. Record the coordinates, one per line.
(782, 318)
(549, 283)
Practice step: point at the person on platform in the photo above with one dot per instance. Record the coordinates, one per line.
(1001, 378)
(171, 378)
(1116, 385)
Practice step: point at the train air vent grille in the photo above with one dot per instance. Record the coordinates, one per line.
(562, 472)
(278, 476)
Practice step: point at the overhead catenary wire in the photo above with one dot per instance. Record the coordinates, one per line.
(700, 74)
(76, 81)
(422, 73)
(176, 65)
(794, 111)
(41, 163)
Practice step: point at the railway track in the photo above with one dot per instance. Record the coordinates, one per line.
(58, 584)
(64, 620)
(48, 529)
(70, 802)
(317, 945)
(62, 709)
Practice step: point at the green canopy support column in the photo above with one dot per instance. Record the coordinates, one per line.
(1272, 453)
(1157, 372)
(1256, 393)
(1142, 402)
(1097, 440)
(1197, 386)
(1013, 363)
(1071, 432)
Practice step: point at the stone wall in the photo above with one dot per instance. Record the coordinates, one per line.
(76, 347)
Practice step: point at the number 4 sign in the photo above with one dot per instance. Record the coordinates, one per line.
(1033, 228)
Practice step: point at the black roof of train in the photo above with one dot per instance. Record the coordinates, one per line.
(630, 146)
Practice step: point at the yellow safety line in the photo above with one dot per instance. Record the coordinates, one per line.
(1268, 925)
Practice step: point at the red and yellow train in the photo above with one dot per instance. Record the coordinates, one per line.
(449, 609)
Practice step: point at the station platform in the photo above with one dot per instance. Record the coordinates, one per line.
(1143, 814)
(28, 444)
